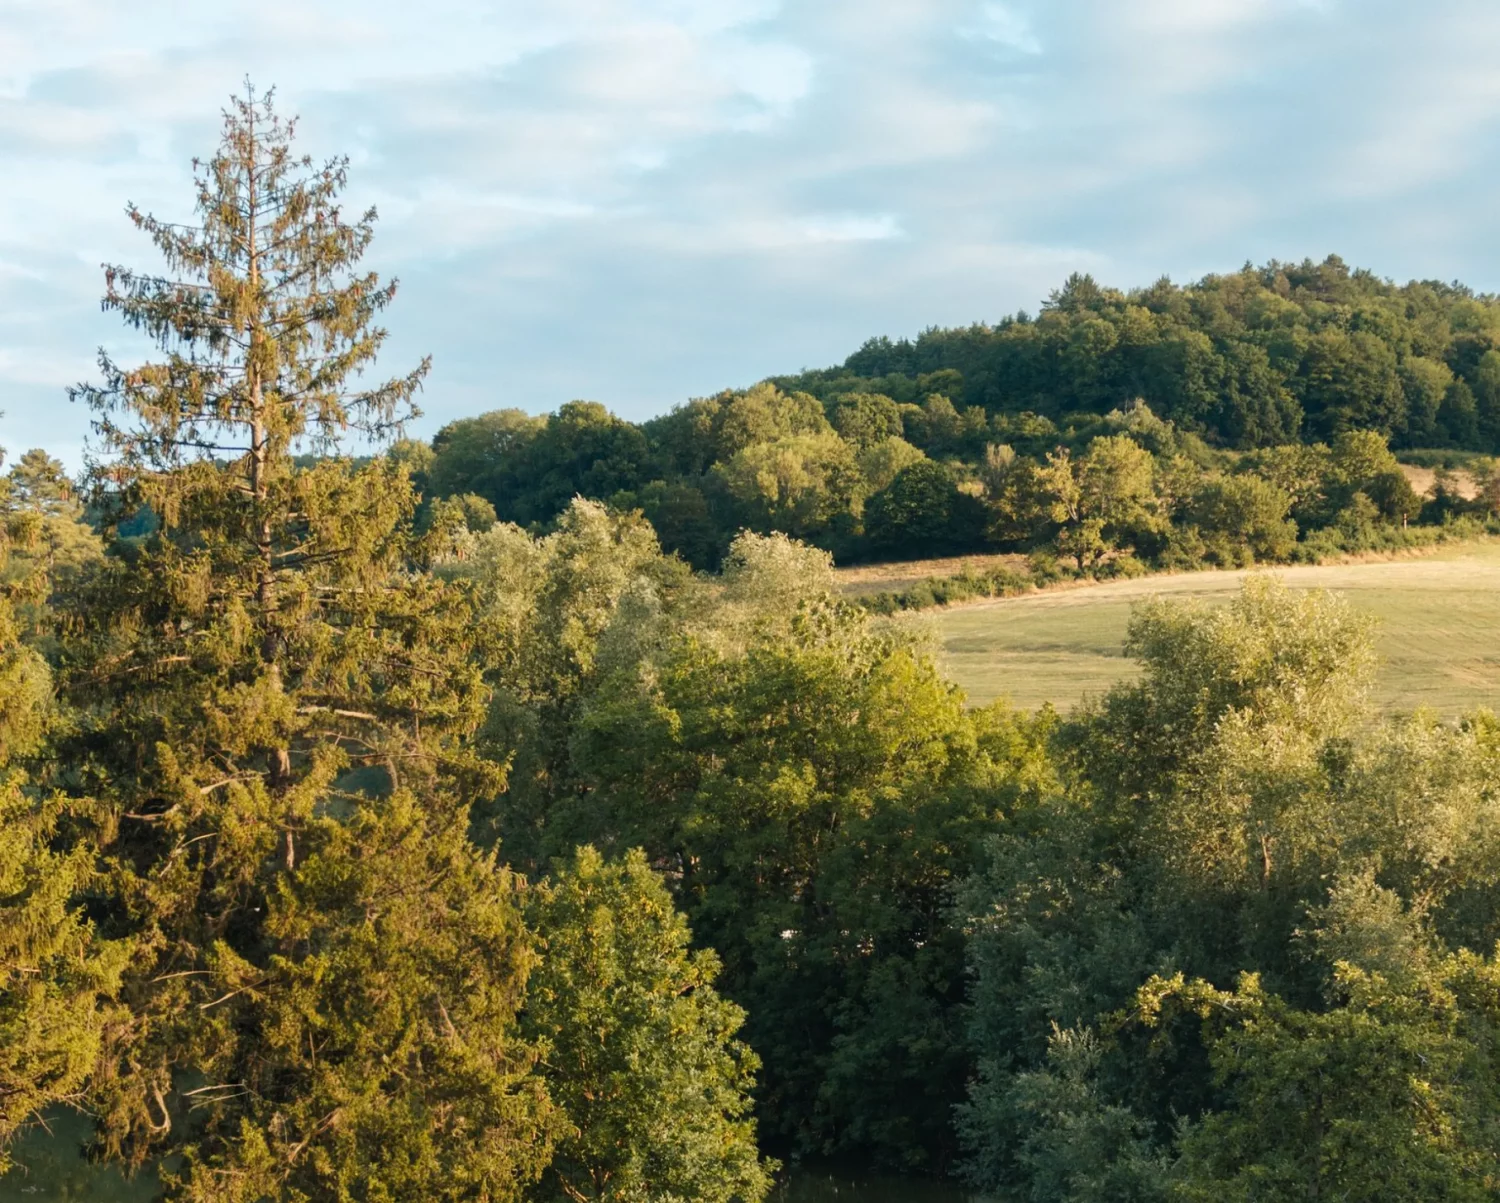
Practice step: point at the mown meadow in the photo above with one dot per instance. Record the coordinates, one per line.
(1438, 632)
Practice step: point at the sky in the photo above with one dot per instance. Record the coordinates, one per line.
(642, 201)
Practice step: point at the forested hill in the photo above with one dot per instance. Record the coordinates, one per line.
(1264, 356)
(947, 441)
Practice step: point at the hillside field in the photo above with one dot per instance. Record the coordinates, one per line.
(1438, 634)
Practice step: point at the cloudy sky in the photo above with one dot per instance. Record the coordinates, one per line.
(639, 201)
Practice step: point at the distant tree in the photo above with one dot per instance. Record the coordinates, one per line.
(477, 513)
(680, 514)
(880, 463)
(1393, 496)
(801, 485)
(1458, 416)
(937, 426)
(764, 414)
(1245, 512)
(481, 455)
(1101, 500)
(922, 511)
(1300, 471)
(59, 540)
(1425, 382)
(1349, 381)
(1486, 476)
(866, 419)
(1487, 399)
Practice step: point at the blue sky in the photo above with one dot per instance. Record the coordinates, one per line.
(639, 201)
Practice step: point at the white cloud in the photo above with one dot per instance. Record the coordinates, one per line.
(1003, 25)
(853, 227)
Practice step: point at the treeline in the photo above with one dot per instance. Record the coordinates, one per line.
(1243, 391)
(356, 845)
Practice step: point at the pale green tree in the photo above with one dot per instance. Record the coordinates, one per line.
(1102, 499)
(801, 484)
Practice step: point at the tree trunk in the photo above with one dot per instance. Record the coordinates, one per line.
(280, 760)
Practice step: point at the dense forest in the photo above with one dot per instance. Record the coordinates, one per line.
(356, 844)
(1243, 417)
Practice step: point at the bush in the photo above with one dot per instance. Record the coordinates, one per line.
(1121, 567)
(1047, 569)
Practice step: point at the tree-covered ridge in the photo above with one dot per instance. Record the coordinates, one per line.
(1241, 394)
(1266, 355)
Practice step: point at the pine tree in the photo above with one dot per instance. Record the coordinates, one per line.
(326, 972)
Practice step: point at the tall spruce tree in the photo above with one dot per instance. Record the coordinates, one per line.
(327, 974)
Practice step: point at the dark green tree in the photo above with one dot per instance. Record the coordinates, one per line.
(867, 418)
(923, 512)
(1458, 416)
(1244, 518)
(812, 790)
(480, 455)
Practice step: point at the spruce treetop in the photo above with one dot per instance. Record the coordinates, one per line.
(263, 320)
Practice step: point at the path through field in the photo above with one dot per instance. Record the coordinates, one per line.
(1439, 633)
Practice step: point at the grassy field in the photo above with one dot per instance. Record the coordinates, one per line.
(1439, 632)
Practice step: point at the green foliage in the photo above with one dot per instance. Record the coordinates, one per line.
(294, 936)
(482, 455)
(809, 789)
(639, 1050)
(1195, 833)
(1212, 937)
(58, 977)
(1266, 360)
(801, 484)
(1074, 1146)
(528, 469)
(682, 518)
(816, 791)
(58, 541)
(866, 419)
(1363, 1101)
(880, 463)
(1105, 499)
(372, 1049)
(1243, 519)
(922, 511)
(1257, 357)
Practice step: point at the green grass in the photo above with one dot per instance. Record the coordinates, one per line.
(1438, 634)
